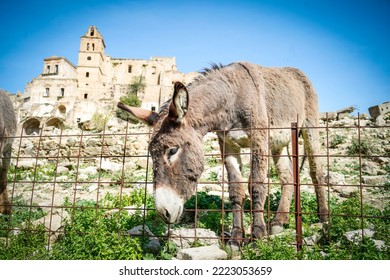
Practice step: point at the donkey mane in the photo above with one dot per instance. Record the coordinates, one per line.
(213, 67)
(206, 72)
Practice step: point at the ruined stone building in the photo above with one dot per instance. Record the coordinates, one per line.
(67, 94)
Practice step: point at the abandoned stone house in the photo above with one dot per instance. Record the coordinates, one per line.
(67, 94)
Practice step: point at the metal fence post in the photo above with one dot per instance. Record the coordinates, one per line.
(297, 193)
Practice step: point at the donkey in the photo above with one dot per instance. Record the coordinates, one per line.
(241, 98)
(7, 131)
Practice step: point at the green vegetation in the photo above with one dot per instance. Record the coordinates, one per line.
(93, 231)
(347, 215)
(362, 147)
(99, 230)
(99, 121)
(337, 140)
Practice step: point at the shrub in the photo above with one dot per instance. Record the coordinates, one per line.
(210, 211)
(275, 248)
(21, 214)
(99, 121)
(337, 140)
(28, 244)
(359, 147)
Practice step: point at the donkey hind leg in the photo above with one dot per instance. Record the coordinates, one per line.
(312, 150)
(284, 169)
(232, 161)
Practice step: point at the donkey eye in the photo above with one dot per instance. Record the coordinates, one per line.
(172, 151)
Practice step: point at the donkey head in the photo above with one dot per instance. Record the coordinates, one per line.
(177, 153)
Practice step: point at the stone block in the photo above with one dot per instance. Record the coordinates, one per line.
(202, 253)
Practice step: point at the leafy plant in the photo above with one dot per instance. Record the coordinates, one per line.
(28, 244)
(21, 215)
(99, 120)
(276, 248)
(336, 140)
(209, 211)
(359, 147)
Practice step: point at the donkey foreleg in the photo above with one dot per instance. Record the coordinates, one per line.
(258, 191)
(232, 161)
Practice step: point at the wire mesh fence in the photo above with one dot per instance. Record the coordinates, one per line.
(89, 195)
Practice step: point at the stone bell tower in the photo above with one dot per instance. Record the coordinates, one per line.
(90, 64)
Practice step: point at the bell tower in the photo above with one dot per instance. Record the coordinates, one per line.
(90, 62)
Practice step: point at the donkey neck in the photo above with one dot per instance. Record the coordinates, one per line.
(211, 107)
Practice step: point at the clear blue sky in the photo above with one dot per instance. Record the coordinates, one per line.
(342, 45)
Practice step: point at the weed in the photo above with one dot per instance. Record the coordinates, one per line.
(361, 147)
(337, 140)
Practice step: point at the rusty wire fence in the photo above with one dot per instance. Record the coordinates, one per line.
(63, 182)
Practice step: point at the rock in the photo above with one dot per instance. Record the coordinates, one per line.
(53, 223)
(62, 179)
(107, 165)
(356, 235)
(82, 177)
(345, 191)
(312, 240)
(185, 237)
(202, 253)
(380, 121)
(28, 148)
(93, 151)
(370, 168)
(62, 170)
(335, 179)
(29, 163)
(375, 180)
(337, 184)
(153, 244)
(380, 244)
(90, 170)
(92, 188)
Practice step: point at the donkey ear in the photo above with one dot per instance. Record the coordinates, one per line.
(146, 116)
(179, 104)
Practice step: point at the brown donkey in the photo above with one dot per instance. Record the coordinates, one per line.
(7, 131)
(237, 99)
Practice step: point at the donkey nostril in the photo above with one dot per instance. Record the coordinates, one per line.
(167, 215)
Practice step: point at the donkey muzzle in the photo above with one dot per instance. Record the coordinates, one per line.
(169, 204)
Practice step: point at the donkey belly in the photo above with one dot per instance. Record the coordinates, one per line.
(235, 137)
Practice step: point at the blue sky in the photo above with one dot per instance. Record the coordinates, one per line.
(343, 46)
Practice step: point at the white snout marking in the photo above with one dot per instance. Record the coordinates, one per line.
(168, 204)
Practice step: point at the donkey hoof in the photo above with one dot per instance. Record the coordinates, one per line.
(5, 209)
(276, 229)
(259, 232)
